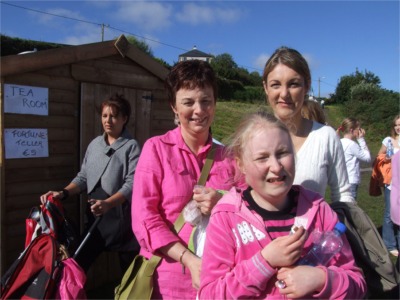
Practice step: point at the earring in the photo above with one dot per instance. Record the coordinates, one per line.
(176, 120)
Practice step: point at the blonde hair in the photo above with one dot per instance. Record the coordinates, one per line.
(392, 131)
(250, 124)
(347, 125)
(312, 110)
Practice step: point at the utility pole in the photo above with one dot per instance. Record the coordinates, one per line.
(319, 87)
(102, 31)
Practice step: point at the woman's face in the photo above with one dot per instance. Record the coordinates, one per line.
(397, 126)
(286, 90)
(112, 123)
(268, 164)
(195, 109)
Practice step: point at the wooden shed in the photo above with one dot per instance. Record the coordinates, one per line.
(69, 83)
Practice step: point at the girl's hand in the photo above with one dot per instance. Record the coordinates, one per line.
(361, 132)
(301, 281)
(285, 250)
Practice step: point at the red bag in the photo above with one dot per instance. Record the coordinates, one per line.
(35, 273)
(31, 225)
(50, 219)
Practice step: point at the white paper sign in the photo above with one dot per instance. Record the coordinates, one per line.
(23, 99)
(26, 143)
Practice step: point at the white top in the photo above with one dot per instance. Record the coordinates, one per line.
(385, 142)
(320, 161)
(353, 154)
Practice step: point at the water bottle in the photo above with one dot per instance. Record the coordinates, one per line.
(389, 150)
(324, 249)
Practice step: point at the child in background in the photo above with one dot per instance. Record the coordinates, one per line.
(354, 152)
(248, 248)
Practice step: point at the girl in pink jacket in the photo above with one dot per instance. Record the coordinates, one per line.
(248, 248)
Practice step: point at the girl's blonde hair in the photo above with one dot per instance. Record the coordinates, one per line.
(250, 124)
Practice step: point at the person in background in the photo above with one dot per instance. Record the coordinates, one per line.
(107, 176)
(322, 103)
(168, 170)
(390, 237)
(248, 246)
(313, 111)
(354, 152)
(319, 153)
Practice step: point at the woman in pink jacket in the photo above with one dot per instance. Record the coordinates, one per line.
(248, 248)
(168, 169)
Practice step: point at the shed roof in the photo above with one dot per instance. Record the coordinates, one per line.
(17, 64)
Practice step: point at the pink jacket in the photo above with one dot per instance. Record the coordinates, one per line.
(395, 189)
(232, 264)
(163, 184)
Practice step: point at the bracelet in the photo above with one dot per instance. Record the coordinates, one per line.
(180, 260)
(65, 194)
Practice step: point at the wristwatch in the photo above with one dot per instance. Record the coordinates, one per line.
(65, 194)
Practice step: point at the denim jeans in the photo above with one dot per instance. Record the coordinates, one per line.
(353, 190)
(389, 234)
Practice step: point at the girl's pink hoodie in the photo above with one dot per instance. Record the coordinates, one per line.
(233, 267)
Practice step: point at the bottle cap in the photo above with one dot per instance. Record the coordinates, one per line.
(340, 227)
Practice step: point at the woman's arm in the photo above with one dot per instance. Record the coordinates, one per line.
(71, 190)
(362, 151)
(188, 260)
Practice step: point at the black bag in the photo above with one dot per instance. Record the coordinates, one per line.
(369, 251)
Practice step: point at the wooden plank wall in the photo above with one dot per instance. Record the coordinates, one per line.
(72, 88)
(26, 179)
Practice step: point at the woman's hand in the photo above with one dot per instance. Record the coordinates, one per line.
(193, 263)
(99, 207)
(301, 281)
(206, 198)
(284, 251)
(56, 195)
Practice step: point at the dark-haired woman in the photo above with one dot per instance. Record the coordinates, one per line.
(107, 177)
(168, 170)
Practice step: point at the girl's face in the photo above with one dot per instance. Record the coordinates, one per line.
(286, 91)
(268, 164)
(397, 126)
(195, 110)
(113, 124)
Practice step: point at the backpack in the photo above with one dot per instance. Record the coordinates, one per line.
(51, 219)
(369, 251)
(39, 270)
(35, 273)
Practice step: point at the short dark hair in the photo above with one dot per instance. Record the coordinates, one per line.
(190, 74)
(119, 103)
